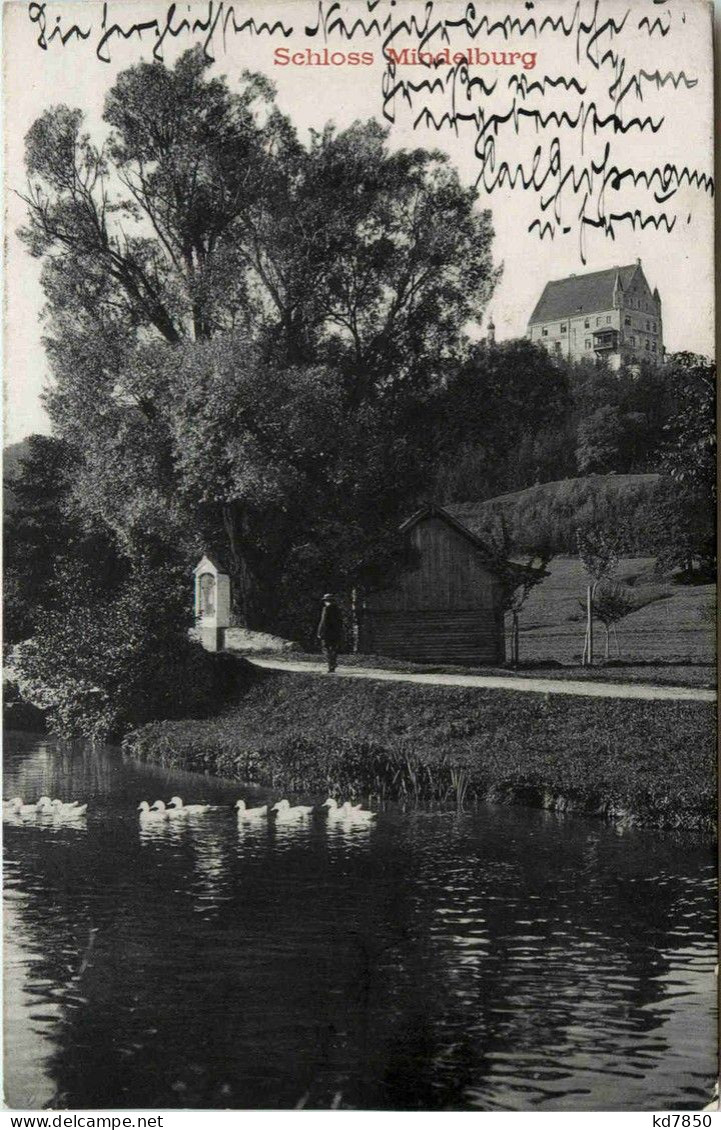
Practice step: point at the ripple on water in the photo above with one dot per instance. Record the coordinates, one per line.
(496, 960)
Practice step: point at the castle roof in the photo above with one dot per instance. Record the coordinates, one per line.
(581, 294)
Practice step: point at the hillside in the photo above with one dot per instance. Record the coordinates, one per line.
(563, 489)
(678, 629)
(556, 510)
(675, 630)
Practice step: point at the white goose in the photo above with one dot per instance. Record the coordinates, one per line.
(49, 807)
(148, 814)
(285, 812)
(337, 811)
(177, 808)
(167, 811)
(18, 806)
(348, 811)
(245, 813)
(69, 811)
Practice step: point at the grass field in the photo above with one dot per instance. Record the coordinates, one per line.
(675, 631)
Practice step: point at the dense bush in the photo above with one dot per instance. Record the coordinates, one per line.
(99, 667)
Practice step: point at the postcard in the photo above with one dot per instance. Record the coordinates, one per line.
(359, 556)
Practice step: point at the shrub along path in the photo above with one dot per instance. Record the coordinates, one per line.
(587, 689)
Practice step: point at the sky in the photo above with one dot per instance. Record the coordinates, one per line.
(679, 262)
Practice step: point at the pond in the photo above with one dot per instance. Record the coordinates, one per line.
(500, 959)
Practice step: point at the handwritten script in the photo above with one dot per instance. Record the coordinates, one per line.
(590, 129)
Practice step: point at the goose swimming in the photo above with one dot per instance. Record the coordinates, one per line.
(176, 806)
(285, 812)
(148, 813)
(69, 810)
(333, 807)
(336, 811)
(245, 813)
(168, 810)
(18, 806)
(347, 811)
(49, 807)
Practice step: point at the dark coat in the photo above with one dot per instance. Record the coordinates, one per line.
(330, 628)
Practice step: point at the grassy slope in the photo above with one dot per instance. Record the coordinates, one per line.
(308, 734)
(617, 484)
(677, 631)
(674, 631)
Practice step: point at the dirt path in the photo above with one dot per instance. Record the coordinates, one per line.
(501, 682)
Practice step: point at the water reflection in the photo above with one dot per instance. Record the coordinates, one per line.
(500, 960)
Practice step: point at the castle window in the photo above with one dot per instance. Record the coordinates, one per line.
(598, 321)
(544, 332)
(586, 323)
(633, 340)
(648, 324)
(653, 346)
(647, 345)
(608, 317)
(588, 343)
(627, 320)
(654, 327)
(563, 327)
(558, 346)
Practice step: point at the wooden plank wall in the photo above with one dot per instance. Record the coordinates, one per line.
(473, 637)
(445, 610)
(450, 573)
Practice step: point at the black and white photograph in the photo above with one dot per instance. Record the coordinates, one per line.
(359, 557)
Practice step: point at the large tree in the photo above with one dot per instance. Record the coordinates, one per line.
(504, 412)
(51, 554)
(688, 513)
(236, 318)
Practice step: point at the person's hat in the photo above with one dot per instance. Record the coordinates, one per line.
(328, 596)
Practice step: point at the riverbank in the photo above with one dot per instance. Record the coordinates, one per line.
(647, 764)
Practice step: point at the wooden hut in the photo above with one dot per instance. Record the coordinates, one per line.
(446, 607)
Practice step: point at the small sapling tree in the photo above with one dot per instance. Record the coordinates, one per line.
(598, 551)
(613, 602)
(518, 579)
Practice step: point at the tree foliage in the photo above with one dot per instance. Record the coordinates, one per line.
(98, 667)
(598, 550)
(45, 535)
(614, 601)
(245, 331)
(501, 411)
(517, 579)
(689, 460)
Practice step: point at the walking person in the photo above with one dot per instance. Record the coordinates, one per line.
(330, 630)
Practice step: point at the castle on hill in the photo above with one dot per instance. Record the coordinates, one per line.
(612, 314)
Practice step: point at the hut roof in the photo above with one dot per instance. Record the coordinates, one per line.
(489, 555)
